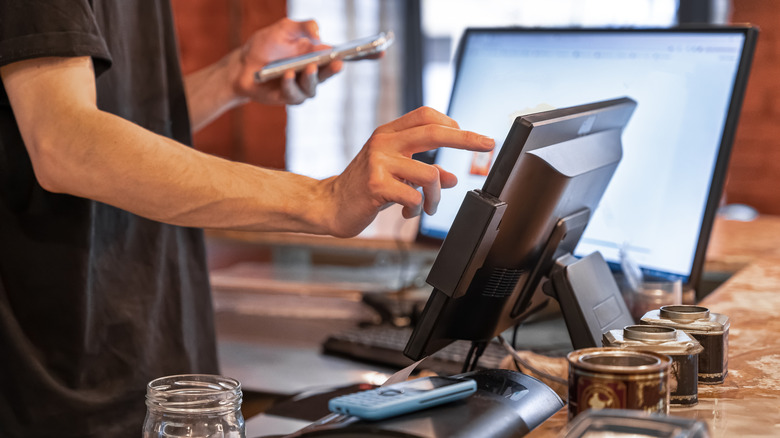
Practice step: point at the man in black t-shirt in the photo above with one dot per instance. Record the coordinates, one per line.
(103, 282)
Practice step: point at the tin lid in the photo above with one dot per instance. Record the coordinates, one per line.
(652, 333)
(685, 313)
(657, 338)
(618, 360)
(689, 318)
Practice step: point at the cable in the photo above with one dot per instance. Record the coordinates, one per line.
(467, 362)
(404, 262)
(516, 357)
(472, 358)
(514, 334)
(480, 348)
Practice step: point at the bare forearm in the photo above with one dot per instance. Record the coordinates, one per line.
(96, 155)
(116, 162)
(76, 148)
(210, 92)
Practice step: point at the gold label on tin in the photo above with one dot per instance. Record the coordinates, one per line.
(596, 394)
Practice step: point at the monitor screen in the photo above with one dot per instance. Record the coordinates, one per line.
(537, 198)
(688, 84)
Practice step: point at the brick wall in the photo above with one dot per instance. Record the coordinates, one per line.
(754, 171)
(209, 29)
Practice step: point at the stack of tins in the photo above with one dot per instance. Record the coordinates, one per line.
(647, 367)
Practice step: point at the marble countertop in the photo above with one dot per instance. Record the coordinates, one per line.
(734, 245)
(747, 404)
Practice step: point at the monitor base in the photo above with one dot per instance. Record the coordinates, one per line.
(589, 297)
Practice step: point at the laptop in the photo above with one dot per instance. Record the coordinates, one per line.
(689, 85)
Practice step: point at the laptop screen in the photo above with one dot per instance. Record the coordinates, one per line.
(688, 85)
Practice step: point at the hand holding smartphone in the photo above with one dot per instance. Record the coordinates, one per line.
(401, 398)
(352, 50)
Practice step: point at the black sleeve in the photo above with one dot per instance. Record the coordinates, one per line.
(37, 28)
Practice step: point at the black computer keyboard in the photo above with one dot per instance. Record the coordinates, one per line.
(384, 345)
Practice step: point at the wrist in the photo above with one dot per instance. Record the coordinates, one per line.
(233, 71)
(339, 213)
(322, 207)
(212, 90)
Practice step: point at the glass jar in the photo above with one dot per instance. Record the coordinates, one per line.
(194, 405)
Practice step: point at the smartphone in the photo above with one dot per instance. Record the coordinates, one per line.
(401, 398)
(348, 51)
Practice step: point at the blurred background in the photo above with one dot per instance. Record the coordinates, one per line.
(319, 137)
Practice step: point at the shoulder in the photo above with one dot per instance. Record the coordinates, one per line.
(41, 28)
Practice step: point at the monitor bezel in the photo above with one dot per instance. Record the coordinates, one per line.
(717, 184)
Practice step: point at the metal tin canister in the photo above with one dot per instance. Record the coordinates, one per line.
(678, 345)
(710, 329)
(617, 378)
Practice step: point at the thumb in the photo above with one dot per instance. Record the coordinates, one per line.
(309, 29)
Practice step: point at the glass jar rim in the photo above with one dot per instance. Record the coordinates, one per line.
(194, 394)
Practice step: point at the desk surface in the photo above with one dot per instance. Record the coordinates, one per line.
(747, 404)
(735, 244)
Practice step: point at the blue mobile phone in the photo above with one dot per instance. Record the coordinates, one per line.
(401, 398)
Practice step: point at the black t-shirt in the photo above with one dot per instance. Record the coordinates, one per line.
(94, 301)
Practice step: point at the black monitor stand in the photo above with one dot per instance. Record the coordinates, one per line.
(586, 290)
(589, 298)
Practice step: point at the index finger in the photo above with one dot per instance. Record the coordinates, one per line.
(428, 137)
(421, 116)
